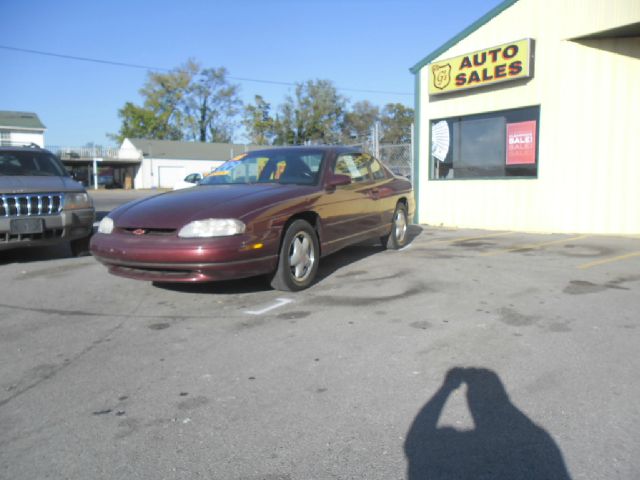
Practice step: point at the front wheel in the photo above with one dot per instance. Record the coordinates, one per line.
(398, 237)
(299, 258)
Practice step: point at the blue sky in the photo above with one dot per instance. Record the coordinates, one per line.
(357, 44)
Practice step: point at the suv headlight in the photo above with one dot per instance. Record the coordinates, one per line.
(105, 226)
(212, 227)
(76, 201)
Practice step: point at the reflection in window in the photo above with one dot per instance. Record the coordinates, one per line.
(272, 167)
(353, 165)
(495, 145)
(360, 167)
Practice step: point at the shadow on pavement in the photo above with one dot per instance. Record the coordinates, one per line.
(35, 254)
(328, 266)
(505, 444)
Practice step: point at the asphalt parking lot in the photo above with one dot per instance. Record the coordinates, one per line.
(468, 354)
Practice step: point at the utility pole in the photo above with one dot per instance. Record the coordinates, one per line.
(153, 182)
(375, 140)
(95, 168)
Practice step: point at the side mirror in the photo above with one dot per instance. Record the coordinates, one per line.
(337, 180)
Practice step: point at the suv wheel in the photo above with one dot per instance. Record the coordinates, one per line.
(80, 247)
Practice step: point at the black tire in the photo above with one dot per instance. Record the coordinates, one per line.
(80, 247)
(299, 258)
(398, 236)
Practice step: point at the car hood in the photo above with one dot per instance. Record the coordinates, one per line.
(10, 184)
(174, 209)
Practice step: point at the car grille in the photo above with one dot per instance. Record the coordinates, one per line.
(157, 272)
(150, 231)
(31, 204)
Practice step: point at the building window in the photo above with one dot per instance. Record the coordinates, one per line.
(5, 138)
(493, 145)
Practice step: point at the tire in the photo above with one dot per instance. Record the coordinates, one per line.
(398, 236)
(299, 258)
(80, 247)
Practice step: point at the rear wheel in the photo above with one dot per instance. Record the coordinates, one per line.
(299, 258)
(398, 237)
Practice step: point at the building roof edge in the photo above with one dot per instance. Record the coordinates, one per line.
(463, 34)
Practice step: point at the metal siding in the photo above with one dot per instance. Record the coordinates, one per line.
(589, 97)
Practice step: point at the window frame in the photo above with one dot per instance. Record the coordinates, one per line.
(487, 115)
(370, 176)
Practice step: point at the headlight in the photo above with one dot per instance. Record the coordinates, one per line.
(212, 227)
(75, 201)
(105, 226)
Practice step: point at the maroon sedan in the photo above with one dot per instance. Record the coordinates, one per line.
(273, 212)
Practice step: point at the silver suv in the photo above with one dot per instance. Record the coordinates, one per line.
(40, 204)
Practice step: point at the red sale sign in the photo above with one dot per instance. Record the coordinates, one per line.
(521, 143)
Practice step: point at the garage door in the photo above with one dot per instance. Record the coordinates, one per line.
(168, 176)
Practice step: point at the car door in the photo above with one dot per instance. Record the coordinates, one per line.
(350, 210)
(382, 191)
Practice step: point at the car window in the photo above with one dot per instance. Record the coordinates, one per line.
(356, 165)
(377, 170)
(278, 167)
(30, 163)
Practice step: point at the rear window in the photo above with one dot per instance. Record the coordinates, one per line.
(30, 163)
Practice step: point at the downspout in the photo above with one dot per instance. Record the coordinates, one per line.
(415, 179)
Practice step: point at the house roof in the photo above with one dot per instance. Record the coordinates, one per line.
(20, 120)
(463, 34)
(188, 150)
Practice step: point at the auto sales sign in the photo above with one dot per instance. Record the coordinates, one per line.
(511, 61)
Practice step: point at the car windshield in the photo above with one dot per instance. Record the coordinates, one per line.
(291, 167)
(30, 163)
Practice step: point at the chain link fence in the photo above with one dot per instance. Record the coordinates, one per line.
(398, 157)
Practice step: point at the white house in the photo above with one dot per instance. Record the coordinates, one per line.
(21, 128)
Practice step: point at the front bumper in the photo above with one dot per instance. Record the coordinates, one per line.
(170, 259)
(65, 226)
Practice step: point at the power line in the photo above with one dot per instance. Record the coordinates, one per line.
(161, 69)
(83, 59)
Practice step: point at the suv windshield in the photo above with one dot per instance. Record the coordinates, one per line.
(30, 163)
(298, 168)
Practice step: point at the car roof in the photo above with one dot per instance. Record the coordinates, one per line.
(22, 148)
(307, 148)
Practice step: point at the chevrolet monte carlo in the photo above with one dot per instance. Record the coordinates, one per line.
(271, 212)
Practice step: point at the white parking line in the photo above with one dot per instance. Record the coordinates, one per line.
(279, 303)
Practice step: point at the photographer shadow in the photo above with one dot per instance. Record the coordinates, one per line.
(505, 444)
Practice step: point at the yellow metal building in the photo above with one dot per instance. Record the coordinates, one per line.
(530, 120)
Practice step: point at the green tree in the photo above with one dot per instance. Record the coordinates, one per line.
(358, 121)
(211, 106)
(259, 124)
(313, 114)
(140, 122)
(396, 120)
(166, 95)
(186, 103)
